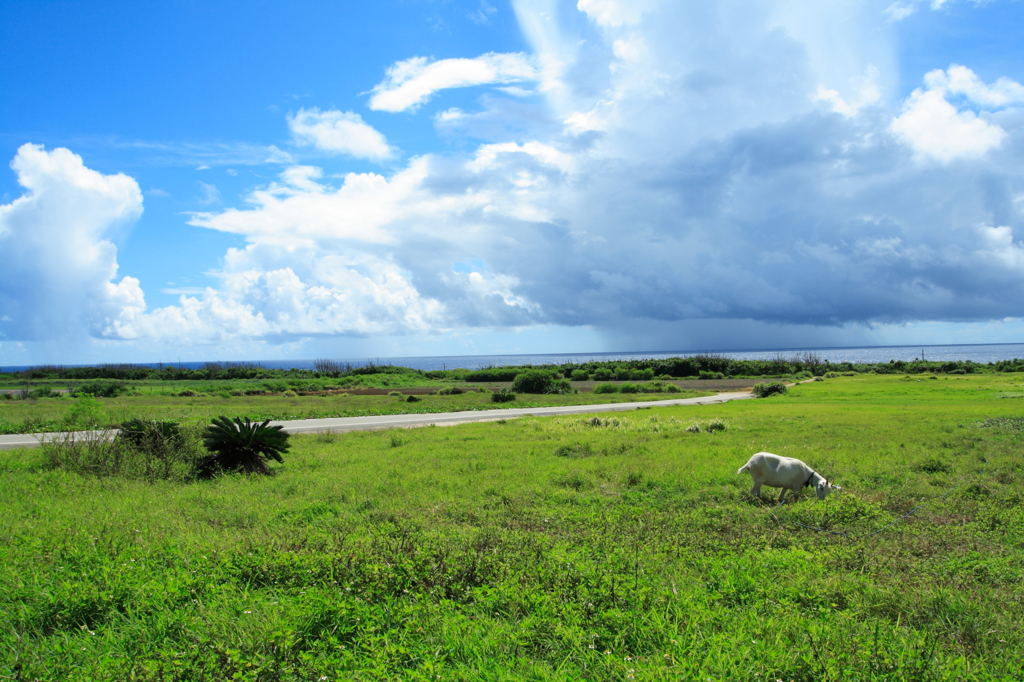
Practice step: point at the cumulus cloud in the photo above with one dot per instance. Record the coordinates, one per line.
(339, 132)
(411, 82)
(721, 179)
(937, 129)
(59, 261)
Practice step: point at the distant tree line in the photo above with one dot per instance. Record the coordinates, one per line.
(704, 366)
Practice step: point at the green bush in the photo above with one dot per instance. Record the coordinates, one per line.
(43, 393)
(629, 388)
(395, 394)
(710, 376)
(533, 381)
(770, 389)
(242, 446)
(602, 374)
(102, 389)
(503, 396)
(606, 388)
(412, 399)
(580, 375)
(86, 413)
(561, 387)
(451, 390)
(715, 425)
(672, 388)
(149, 451)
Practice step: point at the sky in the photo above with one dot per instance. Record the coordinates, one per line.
(271, 180)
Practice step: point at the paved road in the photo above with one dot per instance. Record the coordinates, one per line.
(390, 421)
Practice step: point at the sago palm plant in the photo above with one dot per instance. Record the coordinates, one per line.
(237, 445)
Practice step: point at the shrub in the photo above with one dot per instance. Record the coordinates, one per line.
(803, 375)
(533, 381)
(693, 428)
(143, 450)
(412, 399)
(602, 374)
(503, 396)
(86, 413)
(289, 394)
(606, 388)
(629, 388)
(244, 446)
(580, 375)
(831, 375)
(451, 390)
(706, 376)
(189, 393)
(159, 446)
(395, 394)
(770, 389)
(102, 389)
(672, 388)
(715, 425)
(561, 387)
(138, 431)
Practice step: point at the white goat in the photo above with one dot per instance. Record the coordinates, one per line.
(784, 472)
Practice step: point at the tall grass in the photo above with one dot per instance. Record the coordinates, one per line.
(153, 455)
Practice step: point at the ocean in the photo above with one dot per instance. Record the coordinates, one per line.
(982, 353)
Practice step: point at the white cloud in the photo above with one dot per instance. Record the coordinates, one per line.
(410, 83)
(936, 129)
(959, 80)
(612, 12)
(339, 132)
(867, 93)
(696, 191)
(59, 261)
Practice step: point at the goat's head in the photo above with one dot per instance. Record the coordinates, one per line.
(824, 488)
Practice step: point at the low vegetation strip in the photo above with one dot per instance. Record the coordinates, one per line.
(59, 414)
(605, 547)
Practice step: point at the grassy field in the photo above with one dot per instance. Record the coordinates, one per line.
(52, 414)
(613, 548)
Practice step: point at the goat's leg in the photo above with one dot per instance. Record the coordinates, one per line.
(782, 495)
(756, 490)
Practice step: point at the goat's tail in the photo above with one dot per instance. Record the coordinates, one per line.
(743, 468)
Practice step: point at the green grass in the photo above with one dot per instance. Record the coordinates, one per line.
(50, 414)
(609, 548)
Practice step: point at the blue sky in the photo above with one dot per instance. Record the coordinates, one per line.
(269, 180)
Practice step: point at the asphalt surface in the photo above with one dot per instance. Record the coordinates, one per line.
(391, 421)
